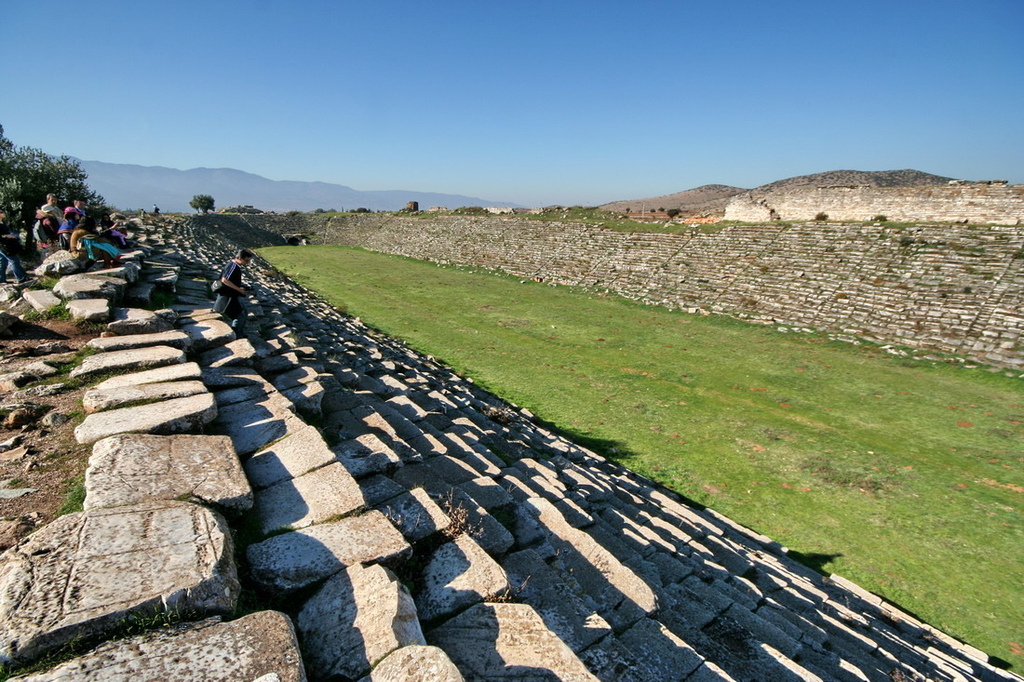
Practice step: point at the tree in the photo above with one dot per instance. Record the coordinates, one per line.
(202, 203)
(27, 175)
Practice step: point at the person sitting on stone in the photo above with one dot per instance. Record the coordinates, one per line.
(44, 231)
(86, 244)
(51, 205)
(114, 232)
(71, 217)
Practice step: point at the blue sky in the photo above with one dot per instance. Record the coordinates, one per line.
(529, 102)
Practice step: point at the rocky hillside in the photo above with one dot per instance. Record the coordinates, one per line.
(706, 199)
(711, 199)
(851, 178)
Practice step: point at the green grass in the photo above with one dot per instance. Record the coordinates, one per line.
(74, 496)
(903, 476)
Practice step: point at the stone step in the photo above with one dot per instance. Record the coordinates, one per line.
(135, 359)
(172, 339)
(73, 287)
(95, 310)
(133, 468)
(314, 497)
(112, 564)
(96, 400)
(354, 621)
(296, 560)
(176, 372)
(125, 321)
(507, 641)
(259, 646)
(177, 415)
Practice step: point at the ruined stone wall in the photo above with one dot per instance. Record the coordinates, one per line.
(952, 289)
(997, 203)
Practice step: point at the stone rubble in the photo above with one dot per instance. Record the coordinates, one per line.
(409, 524)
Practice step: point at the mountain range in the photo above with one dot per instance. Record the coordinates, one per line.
(128, 187)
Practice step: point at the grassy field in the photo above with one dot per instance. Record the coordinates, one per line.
(906, 477)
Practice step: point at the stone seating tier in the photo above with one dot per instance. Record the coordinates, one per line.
(407, 536)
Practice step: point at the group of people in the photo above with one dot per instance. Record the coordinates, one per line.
(72, 229)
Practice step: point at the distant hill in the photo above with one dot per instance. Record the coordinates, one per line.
(852, 178)
(706, 199)
(711, 199)
(129, 186)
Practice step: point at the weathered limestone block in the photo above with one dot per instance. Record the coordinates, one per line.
(89, 309)
(296, 377)
(230, 377)
(366, 454)
(278, 363)
(131, 468)
(173, 339)
(139, 358)
(307, 398)
(356, 619)
(416, 663)
(139, 293)
(59, 264)
(255, 391)
(300, 451)
(311, 498)
(41, 299)
(665, 654)
(126, 321)
(40, 369)
(260, 646)
(89, 286)
(178, 415)
(415, 514)
(291, 561)
(252, 425)
(237, 352)
(507, 642)
(209, 333)
(85, 573)
(182, 372)
(459, 574)
(128, 270)
(96, 400)
(556, 598)
(621, 596)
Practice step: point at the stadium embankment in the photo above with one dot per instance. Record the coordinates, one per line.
(406, 524)
(947, 289)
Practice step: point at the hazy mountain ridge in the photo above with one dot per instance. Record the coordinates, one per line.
(711, 199)
(130, 186)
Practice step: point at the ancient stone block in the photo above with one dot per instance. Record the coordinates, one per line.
(356, 619)
(136, 359)
(291, 561)
(507, 642)
(311, 498)
(131, 468)
(96, 400)
(459, 574)
(84, 574)
(177, 415)
(259, 646)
